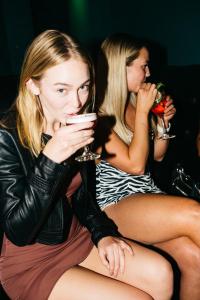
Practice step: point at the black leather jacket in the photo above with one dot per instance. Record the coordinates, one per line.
(33, 205)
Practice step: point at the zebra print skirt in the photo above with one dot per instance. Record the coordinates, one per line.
(113, 184)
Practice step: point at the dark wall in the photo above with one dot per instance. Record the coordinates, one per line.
(175, 25)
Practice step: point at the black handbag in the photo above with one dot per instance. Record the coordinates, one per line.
(183, 184)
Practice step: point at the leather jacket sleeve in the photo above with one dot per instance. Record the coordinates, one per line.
(87, 209)
(26, 196)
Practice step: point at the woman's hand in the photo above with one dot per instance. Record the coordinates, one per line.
(145, 97)
(169, 112)
(67, 140)
(111, 251)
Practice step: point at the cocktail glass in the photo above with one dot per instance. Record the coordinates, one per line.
(159, 108)
(88, 117)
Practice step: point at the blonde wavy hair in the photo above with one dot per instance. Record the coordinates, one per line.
(50, 48)
(117, 52)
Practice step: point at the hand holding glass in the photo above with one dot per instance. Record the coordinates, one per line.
(159, 108)
(89, 117)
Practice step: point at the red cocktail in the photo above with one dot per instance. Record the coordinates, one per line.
(159, 108)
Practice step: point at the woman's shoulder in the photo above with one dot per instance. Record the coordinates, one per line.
(8, 124)
(8, 120)
(8, 129)
(9, 143)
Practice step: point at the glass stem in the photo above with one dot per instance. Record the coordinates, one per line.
(164, 126)
(86, 150)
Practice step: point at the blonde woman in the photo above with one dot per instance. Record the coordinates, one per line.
(124, 187)
(45, 201)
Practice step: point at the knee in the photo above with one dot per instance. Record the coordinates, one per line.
(191, 211)
(164, 281)
(189, 258)
(167, 279)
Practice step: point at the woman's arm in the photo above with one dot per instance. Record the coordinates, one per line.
(103, 230)
(86, 208)
(29, 186)
(27, 193)
(133, 158)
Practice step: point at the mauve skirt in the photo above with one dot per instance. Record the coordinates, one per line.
(30, 272)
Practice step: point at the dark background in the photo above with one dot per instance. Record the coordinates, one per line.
(172, 29)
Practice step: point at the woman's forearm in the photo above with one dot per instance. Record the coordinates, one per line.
(160, 148)
(139, 147)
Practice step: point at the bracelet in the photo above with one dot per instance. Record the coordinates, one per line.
(160, 129)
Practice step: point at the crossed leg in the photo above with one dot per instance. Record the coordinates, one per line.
(187, 255)
(172, 224)
(147, 276)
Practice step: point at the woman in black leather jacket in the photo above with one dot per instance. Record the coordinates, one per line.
(45, 198)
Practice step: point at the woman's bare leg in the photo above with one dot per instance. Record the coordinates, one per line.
(91, 280)
(155, 218)
(173, 223)
(187, 256)
(79, 283)
(146, 270)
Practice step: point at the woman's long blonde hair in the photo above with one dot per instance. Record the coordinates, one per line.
(50, 48)
(117, 52)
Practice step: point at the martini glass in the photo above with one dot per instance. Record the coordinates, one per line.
(159, 108)
(87, 117)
